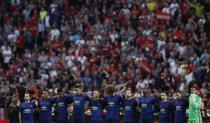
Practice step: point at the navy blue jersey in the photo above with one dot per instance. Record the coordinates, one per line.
(96, 109)
(26, 110)
(129, 109)
(45, 107)
(113, 104)
(180, 110)
(78, 104)
(147, 106)
(165, 112)
(61, 107)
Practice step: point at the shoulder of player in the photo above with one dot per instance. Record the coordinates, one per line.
(22, 103)
(199, 97)
(117, 95)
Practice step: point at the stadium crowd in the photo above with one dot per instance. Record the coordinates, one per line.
(52, 44)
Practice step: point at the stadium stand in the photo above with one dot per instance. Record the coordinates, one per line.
(52, 44)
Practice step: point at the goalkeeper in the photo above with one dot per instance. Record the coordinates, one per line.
(195, 105)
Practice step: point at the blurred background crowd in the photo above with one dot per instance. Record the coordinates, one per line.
(52, 44)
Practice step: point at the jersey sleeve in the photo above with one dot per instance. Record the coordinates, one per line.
(69, 99)
(103, 103)
(90, 102)
(51, 100)
(33, 103)
(156, 105)
(39, 102)
(105, 100)
(139, 101)
(135, 102)
(87, 98)
(120, 99)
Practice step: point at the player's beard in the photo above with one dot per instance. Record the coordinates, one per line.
(128, 96)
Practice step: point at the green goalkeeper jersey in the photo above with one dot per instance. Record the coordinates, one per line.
(194, 109)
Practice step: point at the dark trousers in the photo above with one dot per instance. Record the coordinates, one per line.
(129, 121)
(49, 120)
(165, 121)
(96, 121)
(146, 120)
(183, 121)
(62, 120)
(111, 120)
(78, 119)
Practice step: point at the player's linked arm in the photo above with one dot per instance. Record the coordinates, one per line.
(20, 120)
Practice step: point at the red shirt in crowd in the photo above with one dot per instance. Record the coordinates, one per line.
(20, 41)
(33, 27)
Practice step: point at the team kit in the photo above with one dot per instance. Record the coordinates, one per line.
(111, 106)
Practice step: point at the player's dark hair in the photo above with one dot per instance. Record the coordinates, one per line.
(97, 90)
(59, 90)
(130, 89)
(163, 92)
(77, 85)
(44, 91)
(178, 91)
(27, 92)
(110, 90)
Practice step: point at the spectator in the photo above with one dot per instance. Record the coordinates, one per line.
(55, 44)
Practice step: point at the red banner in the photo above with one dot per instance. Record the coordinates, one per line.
(163, 16)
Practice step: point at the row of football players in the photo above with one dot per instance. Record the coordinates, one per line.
(167, 110)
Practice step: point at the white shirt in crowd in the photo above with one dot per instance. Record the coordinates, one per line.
(7, 54)
(173, 66)
(47, 21)
(174, 7)
(54, 34)
(140, 84)
(189, 77)
(166, 10)
(26, 13)
(15, 2)
(82, 59)
(114, 36)
(12, 37)
(69, 60)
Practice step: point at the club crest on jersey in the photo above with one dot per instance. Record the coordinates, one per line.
(76, 102)
(94, 108)
(127, 108)
(144, 105)
(60, 104)
(163, 110)
(43, 108)
(27, 111)
(111, 104)
(178, 107)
